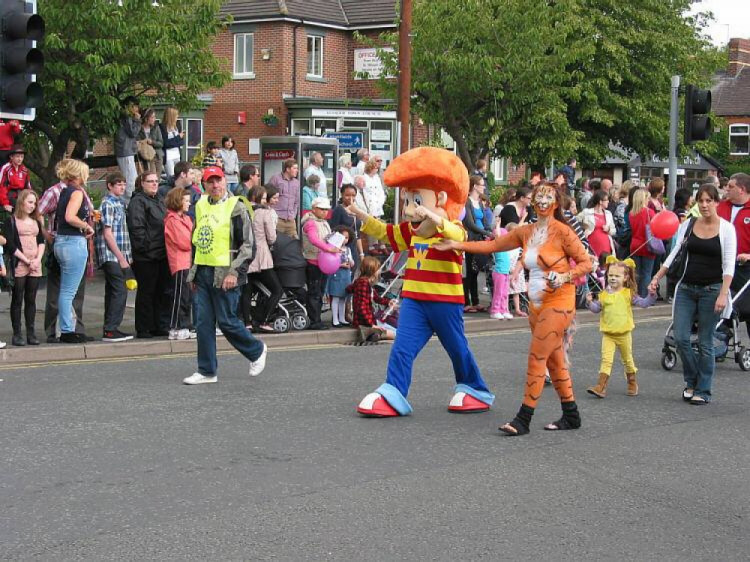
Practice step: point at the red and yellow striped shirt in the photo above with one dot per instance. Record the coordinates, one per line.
(431, 275)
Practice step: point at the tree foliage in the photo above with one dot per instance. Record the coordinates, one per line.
(541, 79)
(99, 52)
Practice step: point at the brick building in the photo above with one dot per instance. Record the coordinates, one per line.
(731, 98)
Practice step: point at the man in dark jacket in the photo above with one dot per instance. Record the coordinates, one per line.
(125, 144)
(146, 214)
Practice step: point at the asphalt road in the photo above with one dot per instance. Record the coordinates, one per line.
(118, 460)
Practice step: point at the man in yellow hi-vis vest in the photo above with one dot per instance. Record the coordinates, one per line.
(222, 251)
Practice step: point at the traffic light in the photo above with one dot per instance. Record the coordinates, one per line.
(697, 108)
(20, 60)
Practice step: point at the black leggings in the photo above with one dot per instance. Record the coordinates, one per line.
(471, 286)
(271, 281)
(24, 296)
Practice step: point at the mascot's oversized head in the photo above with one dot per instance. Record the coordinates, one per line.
(431, 177)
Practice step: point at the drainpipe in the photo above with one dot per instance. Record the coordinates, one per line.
(297, 25)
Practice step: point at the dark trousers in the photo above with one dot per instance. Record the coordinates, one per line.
(217, 307)
(271, 281)
(115, 295)
(471, 285)
(152, 302)
(314, 293)
(23, 296)
(181, 301)
(53, 294)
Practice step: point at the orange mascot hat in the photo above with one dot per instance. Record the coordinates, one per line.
(435, 169)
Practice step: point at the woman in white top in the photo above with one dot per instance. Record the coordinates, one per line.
(702, 292)
(231, 163)
(598, 223)
(344, 175)
(173, 139)
(374, 192)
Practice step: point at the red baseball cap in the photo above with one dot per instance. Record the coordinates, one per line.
(212, 171)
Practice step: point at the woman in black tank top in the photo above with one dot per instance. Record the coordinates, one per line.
(71, 243)
(702, 292)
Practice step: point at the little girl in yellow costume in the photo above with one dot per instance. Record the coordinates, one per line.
(616, 323)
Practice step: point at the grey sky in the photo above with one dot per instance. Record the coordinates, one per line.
(732, 19)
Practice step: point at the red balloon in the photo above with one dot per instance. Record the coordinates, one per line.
(329, 263)
(664, 225)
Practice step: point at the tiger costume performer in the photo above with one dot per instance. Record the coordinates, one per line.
(547, 248)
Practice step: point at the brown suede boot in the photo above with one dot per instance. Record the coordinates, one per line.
(632, 385)
(600, 389)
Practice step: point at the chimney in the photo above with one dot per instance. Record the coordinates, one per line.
(739, 55)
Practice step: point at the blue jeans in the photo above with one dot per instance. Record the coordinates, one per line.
(71, 252)
(232, 187)
(695, 301)
(214, 307)
(643, 269)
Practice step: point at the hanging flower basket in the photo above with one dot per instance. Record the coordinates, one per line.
(270, 120)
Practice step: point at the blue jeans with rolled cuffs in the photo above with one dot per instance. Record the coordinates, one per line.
(696, 301)
(72, 253)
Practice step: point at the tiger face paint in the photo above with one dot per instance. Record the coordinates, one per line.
(544, 200)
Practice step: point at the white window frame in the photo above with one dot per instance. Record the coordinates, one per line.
(243, 73)
(745, 133)
(316, 39)
(186, 148)
(499, 168)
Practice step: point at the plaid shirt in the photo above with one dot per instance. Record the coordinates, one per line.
(113, 216)
(363, 314)
(48, 205)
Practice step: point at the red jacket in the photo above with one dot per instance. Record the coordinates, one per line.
(741, 223)
(178, 233)
(8, 132)
(13, 179)
(638, 224)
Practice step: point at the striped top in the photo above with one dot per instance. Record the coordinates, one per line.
(431, 275)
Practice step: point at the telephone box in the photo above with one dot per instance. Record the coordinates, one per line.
(274, 150)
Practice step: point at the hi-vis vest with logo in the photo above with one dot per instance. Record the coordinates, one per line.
(212, 234)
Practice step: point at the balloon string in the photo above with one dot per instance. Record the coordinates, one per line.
(639, 247)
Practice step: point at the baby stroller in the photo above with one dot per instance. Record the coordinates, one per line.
(727, 339)
(289, 264)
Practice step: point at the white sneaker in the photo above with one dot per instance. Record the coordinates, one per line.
(508, 316)
(197, 378)
(257, 366)
(486, 291)
(219, 332)
(2, 344)
(497, 316)
(173, 334)
(183, 334)
(192, 334)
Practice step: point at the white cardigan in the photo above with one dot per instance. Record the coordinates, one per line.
(588, 220)
(728, 241)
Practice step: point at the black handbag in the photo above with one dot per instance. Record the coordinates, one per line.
(677, 269)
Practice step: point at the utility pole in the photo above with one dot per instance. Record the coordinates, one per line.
(404, 87)
(674, 119)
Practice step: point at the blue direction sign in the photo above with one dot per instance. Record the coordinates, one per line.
(347, 140)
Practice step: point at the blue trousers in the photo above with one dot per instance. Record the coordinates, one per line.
(214, 307)
(71, 253)
(418, 320)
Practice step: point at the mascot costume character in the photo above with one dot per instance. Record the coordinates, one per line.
(548, 246)
(434, 185)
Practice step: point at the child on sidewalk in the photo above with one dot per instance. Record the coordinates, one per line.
(341, 279)
(616, 324)
(517, 283)
(500, 281)
(363, 297)
(178, 230)
(114, 256)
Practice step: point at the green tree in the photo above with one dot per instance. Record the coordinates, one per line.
(541, 79)
(99, 52)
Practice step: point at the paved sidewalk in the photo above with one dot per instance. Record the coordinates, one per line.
(93, 315)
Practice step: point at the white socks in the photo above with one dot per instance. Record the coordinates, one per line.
(338, 309)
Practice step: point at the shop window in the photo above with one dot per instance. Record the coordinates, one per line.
(314, 56)
(300, 126)
(323, 126)
(243, 55)
(739, 140)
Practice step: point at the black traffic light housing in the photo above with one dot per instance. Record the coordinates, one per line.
(697, 108)
(19, 58)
